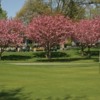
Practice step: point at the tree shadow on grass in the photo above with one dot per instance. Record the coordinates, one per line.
(15, 94)
(66, 59)
(96, 60)
(16, 57)
(67, 97)
(94, 53)
(80, 98)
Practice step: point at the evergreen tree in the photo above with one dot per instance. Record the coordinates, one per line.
(3, 13)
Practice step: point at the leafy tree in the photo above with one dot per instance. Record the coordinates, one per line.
(31, 9)
(92, 8)
(3, 13)
(11, 32)
(69, 8)
(96, 9)
(49, 31)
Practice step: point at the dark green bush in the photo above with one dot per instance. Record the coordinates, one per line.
(54, 54)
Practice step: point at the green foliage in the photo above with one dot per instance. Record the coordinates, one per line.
(75, 9)
(71, 9)
(32, 8)
(54, 54)
(95, 11)
(3, 13)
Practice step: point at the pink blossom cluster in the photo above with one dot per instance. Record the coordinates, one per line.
(49, 31)
(87, 31)
(11, 32)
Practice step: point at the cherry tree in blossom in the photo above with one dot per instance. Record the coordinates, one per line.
(11, 32)
(49, 31)
(87, 33)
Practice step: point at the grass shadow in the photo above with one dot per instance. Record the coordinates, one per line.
(80, 98)
(16, 57)
(65, 59)
(94, 53)
(58, 56)
(15, 94)
(67, 97)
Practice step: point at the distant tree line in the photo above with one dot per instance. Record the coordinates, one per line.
(74, 9)
(49, 31)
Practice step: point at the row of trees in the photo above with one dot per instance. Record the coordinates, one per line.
(33, 8)
(74, 9)
(49, 31)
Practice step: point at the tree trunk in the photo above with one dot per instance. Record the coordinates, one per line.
(0, 56)
(48, 51)
(82, 50)
(1, 51)
(48, 54)
(89, 53)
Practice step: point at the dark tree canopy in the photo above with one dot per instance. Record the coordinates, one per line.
(3, 13)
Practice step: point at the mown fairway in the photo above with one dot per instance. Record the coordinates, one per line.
(50, 81)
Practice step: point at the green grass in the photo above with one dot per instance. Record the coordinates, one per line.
(76, 81)
(69, 77)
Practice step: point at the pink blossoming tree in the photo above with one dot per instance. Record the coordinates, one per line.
(49, 31)
(10, 34)
(87, 33)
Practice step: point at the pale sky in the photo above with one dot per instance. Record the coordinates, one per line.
(12, 6)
